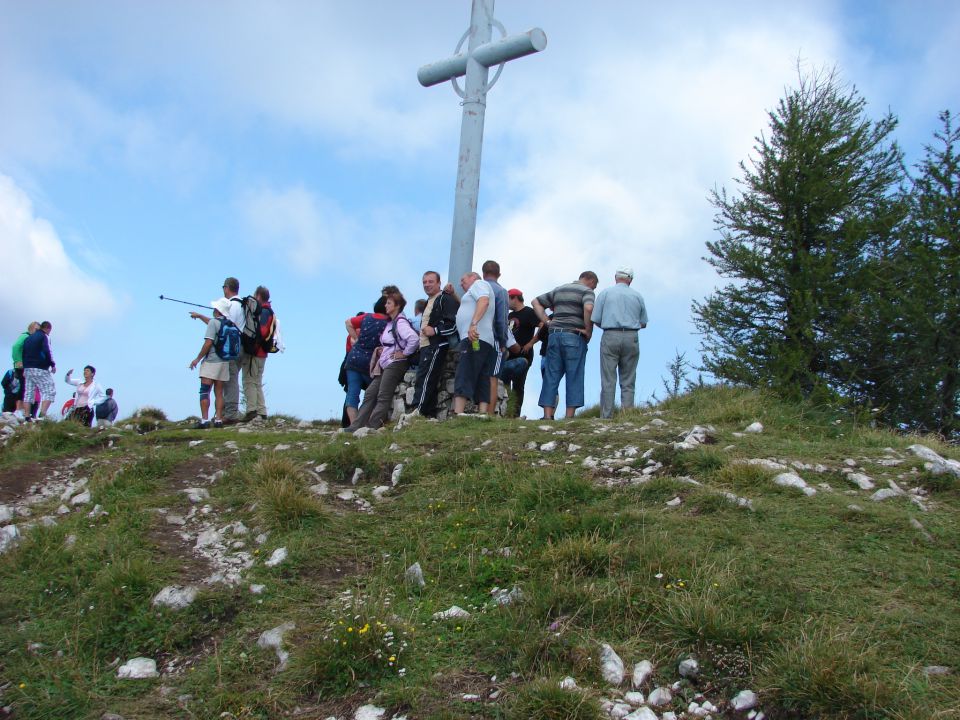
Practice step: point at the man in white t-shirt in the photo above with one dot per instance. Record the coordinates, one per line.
(477, 353)
(231, 387)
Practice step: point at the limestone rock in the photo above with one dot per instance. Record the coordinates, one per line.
(789, 479)
(369, 712)
(414, 575)
(138, 668)
(744, 700)
(568, 683)
(689, 668)
(277, 557)
(611, 666)
(755, 427)
(642, 672)
(454, 612)
(643, 713)
(175, 597)
(659, 697)
(864, 482)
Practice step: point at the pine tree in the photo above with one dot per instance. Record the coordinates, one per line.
(929, 277)
(819, 200)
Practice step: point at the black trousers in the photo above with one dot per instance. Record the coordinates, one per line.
(429, 371)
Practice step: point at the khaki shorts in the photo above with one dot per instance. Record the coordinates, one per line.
(215, 370)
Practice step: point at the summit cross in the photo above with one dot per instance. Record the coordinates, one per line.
(475, 64)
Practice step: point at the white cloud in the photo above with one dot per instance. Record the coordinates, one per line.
(42, 282)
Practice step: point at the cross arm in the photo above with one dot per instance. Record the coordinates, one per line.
(488, 54)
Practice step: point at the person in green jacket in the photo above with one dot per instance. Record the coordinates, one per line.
(17, 354)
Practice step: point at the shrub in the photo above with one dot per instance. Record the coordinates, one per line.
(279, 488)
(545, 700)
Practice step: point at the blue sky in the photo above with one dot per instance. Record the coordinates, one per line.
(155, 148)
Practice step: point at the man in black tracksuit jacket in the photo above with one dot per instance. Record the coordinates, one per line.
(438, 332)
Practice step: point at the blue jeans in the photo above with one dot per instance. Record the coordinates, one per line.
(566, 356)
(356, 381)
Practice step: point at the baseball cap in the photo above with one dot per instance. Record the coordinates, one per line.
(626, 271)
(513, 292)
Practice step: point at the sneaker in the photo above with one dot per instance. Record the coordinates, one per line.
(218, 423)
(202, 424)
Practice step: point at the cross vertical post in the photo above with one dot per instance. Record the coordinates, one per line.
(475, 65)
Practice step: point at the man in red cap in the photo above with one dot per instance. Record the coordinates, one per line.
(523, 324)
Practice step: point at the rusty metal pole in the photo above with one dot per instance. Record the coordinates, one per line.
(475, 64)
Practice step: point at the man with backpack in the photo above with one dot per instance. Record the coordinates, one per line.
(258, 339)
(236, 315)
(221, 347)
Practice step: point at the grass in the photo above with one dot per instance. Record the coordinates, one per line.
(823, 610)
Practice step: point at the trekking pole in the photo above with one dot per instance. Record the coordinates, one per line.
(207, 307)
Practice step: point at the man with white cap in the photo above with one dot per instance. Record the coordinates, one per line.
(620, 312)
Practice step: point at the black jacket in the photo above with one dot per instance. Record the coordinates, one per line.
(443, 319)
(36, 351)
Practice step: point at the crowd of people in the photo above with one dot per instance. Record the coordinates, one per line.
(494, 333)
(490, 329)
(29, 387)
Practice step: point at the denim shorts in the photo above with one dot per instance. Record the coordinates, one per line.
(474, 368)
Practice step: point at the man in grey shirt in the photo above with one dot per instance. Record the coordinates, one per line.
(620, 312)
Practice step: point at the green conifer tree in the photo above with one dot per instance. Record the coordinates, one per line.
(815, 204)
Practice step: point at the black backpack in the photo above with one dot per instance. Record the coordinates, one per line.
(250, 331)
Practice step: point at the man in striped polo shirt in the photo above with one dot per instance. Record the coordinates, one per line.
(570, 330)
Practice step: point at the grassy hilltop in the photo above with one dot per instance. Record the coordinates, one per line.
(555, 537)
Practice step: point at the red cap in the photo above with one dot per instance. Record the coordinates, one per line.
(513, 292)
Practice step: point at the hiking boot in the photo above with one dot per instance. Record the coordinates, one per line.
(202, 424)
(250, 416)
(218, 423)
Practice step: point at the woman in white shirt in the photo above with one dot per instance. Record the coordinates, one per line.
(88, 394)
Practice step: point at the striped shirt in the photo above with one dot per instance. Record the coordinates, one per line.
(568, 303)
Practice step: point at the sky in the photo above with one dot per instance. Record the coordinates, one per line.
(152, 149)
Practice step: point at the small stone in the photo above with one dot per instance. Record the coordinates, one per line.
(674, 503)
(321, 488)
(369, 712)
(6, 513)
(643, 713)
(174, 519)
(789, 479)
(357, 474)
(277, 557)
(549, 446)
(642, 672)
(81, 499)
(9, 534)
(634, 698)
(755, 427)
(138, 668)
(884, 494)
(175, 597)
(689, 668)
(568, 683)
(414, 575)
(660, 696)
(395, 475)
(257, 589)
(194, 443)
(937, 670)
(452, 613)
(744, 700)
(111, 716)
(197, 495)
(611, 666)
(864, 482)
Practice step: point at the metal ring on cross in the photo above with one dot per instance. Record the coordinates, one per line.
(503, 33)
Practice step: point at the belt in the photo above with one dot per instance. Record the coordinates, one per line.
(619, 329)
(566, 330)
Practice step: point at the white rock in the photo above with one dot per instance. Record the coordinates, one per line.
(634, 698)
(864, 482)
(196, 495)
(934, 462)
(643, 713)
(755, 427)
(97, 511)
(549, 446)
(572, 448)
(619, 710)
(657, 422)
(689, 668)
(451, 613)
(380, 491)
(568, 683)
(320, 488)
(6, 513)
(174, 519)
(369, 712)
(194, 443)
(936, 670)
(63, 510)
(744, 700)
(740, 501)
(660, 696)
(208, 537)
(277, 557)
(138, 668)
(8, 537)
(257, 589)
(273, 638)
(884, 494)
(789, 479)
(767, 464)
(674, 503)
(78, 462)
(362, 432)
(590, 462)
(641, 672)
(611, 666)
(81, 498)
(346, 495)
(669, 716)
(175, 597)
(357, 473)
(414, 575)
(502, 596)
(395, 475)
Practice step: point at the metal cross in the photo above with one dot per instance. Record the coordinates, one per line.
(475, 63)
